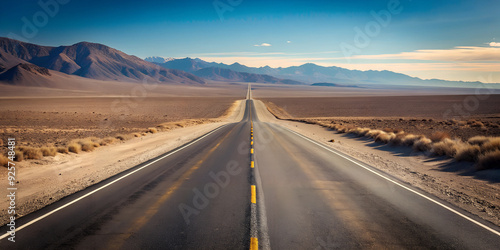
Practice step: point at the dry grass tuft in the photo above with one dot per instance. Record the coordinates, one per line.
(74, 147)
(87, 144)
(1, 142)
(439, 136)
(136, 134)
(107, 141)
(124, 137)
(62, 150)
(19, 156)
(478, 140)
(31, 153)
(447, 147)
(422, 144)
(489, 160)
(468, 153)
(4, 161)
(374, 133)
(476, 124)
(492, 144)
(385, 137)
(49, 151)
(152, 130)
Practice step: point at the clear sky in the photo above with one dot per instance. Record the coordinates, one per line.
(446, 39)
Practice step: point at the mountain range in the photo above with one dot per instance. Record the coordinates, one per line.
(310, 73)
(20, 62)
(28, 64)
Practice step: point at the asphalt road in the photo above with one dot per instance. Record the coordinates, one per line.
(206, 195)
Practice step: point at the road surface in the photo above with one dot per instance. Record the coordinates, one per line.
(250, 185)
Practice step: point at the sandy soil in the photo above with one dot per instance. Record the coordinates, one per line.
(42, 182)
(413, 114)
(475, 191)
(55, 121)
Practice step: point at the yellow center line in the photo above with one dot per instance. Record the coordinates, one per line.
(153, 209)
(251, 151)
(254, 199)
(252, 164)
(251, 143)
(254, 243)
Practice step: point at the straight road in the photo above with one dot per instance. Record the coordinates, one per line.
(252, 185)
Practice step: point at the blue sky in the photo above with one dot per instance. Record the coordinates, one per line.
(456, 40)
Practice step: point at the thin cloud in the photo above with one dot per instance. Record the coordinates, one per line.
(288, 41)
(263, 45)
(494, 44)
(457, 54)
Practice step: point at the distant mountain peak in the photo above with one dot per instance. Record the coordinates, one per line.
(158, 59)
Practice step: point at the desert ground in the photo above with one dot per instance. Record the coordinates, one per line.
(56, 121)
(414, 114)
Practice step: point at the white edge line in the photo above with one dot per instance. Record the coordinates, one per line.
(401, 185)
(94, 191)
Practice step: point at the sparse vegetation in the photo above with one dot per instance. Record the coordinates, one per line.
(62, 150)
(31, 153)
(49, 151)
(74, 147)
(124, 137)
(422, 144)
(152, 130)
(480, 149)
(107, 141)
(489, 160)
(4, 161)
(19, 156)
(439, 136)
(468, 153)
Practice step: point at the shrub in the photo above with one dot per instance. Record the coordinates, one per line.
(62, 150)
(87, 144)
(4, 161)
(124, 137)
(107, 141)
(31, 153)
(136, 134)
(439, 136)
(374, 133)
(398, 139)
(74, 147)
(491, 145)
(445, 147)
(422, 144)
(489, 160)
(477, 124)
(478, 140)
(49, 151)
(19, 155)
(385, 137)
(468, 153)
